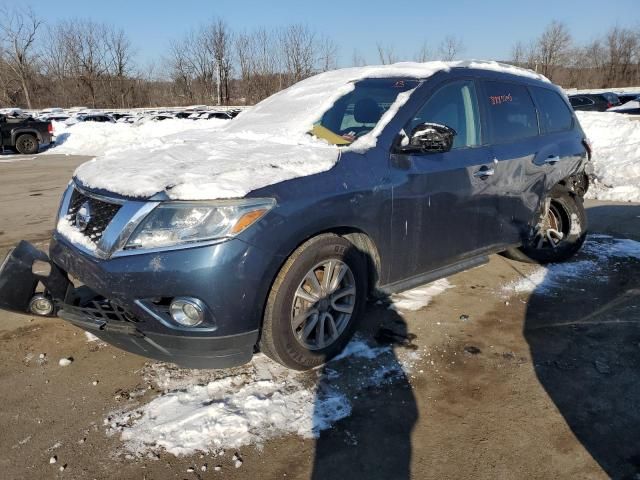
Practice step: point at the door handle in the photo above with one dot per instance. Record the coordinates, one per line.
(484, 172)
(552, 160)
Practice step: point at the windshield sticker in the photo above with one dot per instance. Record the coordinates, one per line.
(499, 99)
(399, 84)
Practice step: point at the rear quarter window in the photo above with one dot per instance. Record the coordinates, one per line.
(553, 112)
(511, 113)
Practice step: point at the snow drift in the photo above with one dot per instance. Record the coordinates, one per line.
(615, 138)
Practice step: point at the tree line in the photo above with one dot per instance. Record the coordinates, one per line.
(611, 60)
(83, 62)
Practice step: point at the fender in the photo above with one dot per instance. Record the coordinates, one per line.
(16, 132)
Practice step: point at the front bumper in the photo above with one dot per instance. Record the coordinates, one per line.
(116, 299)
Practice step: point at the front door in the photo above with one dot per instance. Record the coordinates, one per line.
(444, 204)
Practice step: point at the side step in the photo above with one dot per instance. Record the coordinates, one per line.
(433, 275)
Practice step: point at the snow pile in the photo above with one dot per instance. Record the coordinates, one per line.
(420, 297)
(97, 138)
(615, 139)
(600, 249)
(264, 145)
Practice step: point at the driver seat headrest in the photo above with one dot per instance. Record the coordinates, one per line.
(367, 110)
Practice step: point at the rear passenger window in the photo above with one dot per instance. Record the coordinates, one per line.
(553, 112)
(511, 112)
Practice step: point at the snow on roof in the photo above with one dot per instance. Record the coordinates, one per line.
(264, 145)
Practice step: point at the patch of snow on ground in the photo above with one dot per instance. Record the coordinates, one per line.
(420, 297)
(206, 411)
(599, 249)
(615, 138)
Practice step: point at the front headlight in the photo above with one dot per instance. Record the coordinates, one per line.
(177, 223)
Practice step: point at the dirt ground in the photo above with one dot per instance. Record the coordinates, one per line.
(531, 385)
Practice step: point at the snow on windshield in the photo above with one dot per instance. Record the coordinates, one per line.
(265, 145)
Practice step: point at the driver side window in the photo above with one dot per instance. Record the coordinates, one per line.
(454, 105)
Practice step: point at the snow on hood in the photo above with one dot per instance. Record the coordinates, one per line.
(265, 145)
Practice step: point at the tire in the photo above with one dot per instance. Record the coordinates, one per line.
(566, 214)
(27, 144)
(282, 338)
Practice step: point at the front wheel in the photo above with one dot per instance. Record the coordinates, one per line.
(559, 234)
(315, 303)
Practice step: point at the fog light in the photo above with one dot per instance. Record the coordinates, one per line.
(187, 311)
(41, 305)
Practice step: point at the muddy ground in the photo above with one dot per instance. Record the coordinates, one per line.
(542, 384)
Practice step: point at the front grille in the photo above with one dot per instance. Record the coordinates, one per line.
(101, 214)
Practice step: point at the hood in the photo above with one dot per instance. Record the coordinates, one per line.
(206, 164)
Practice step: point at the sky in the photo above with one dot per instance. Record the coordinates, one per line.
(488, 28)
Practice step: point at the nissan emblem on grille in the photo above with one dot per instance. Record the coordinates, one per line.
(83, 217)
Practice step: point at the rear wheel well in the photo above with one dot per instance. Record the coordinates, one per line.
(577, 184)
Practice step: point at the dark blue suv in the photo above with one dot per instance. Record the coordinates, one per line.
(347, 186)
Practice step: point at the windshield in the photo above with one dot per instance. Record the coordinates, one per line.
(358, 112)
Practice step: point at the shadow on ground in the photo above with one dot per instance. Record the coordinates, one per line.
(374, 442)
(585, 346)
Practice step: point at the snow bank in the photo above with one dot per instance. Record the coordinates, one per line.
(599, 250)
(94, 138)
(264, 145)
(615, 139)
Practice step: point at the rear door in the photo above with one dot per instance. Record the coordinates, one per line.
(513, 129)
(444, 204)
(561, 149)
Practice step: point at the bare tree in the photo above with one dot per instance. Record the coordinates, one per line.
(119, 58)
(298, 51)
(181, 72)
(357, 60)
(327, 54)
(553, 46)
(259, 63)
(87, 52)
(219, 41)
(387, 55)
(622, 49)
(518, 54)
(19, 31)
(424, 54)
(450, 47)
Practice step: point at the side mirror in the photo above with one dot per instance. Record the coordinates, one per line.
(430, 138)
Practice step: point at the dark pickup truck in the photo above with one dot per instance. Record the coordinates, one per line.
(24, 134)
